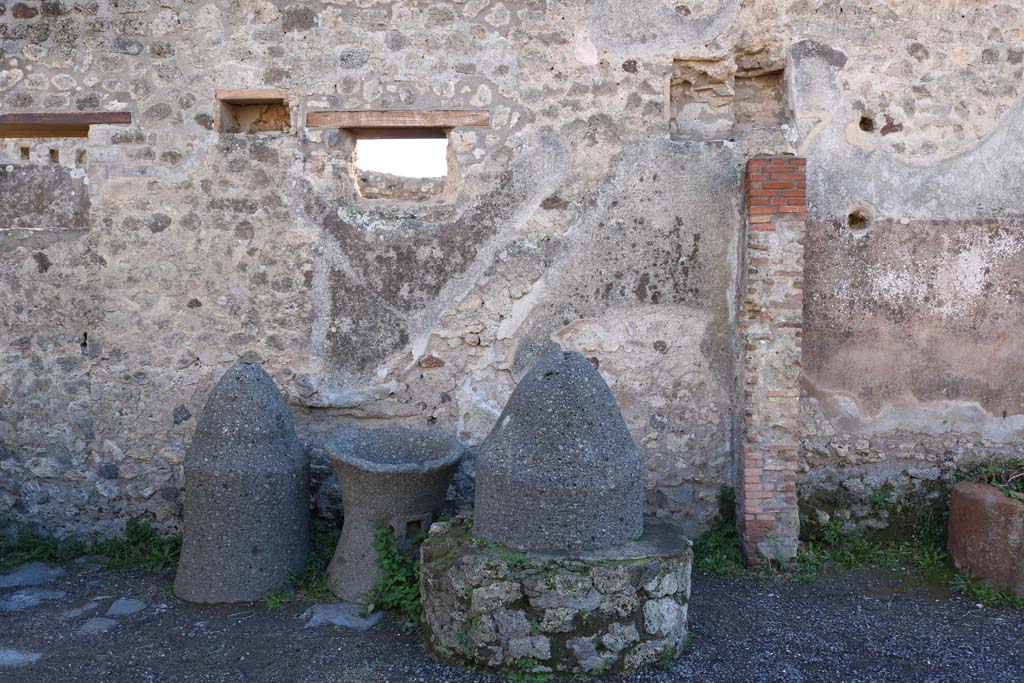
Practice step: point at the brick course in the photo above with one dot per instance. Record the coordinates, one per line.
(771, 328)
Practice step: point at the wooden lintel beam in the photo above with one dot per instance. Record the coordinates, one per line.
(397, 133)
(252, 96)
(397, 119)
(58, 124)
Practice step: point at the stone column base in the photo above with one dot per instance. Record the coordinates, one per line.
(583, 612)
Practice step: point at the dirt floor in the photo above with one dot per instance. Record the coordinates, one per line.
(841, 627)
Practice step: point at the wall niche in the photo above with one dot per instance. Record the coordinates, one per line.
(252, 111)
(715, 100)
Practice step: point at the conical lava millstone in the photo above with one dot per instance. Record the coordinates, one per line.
(246, 493)
(559, 471)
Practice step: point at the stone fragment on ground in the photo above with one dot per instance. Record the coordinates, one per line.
(96, 626)
(79, 611)
(91, 563)
(126, 606)
(31, 574)
(343, 614)
(13, 659)
(29, 597)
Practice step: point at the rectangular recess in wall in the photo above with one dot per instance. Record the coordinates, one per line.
(252, 110)
(58, 125)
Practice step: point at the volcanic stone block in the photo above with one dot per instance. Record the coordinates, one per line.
(246, 493)
(560, 470)
(390, 478)
(598, 611)
(986, 535)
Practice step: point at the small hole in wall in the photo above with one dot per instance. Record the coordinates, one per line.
(55, 156)
(26, 153)
(867, 124)
(413, 530)
(413, 168)
(80, 157)
(858, 220)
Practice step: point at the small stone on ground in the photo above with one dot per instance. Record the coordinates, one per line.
(341, 614)
(96, 625)
(125, 606)
(31, 574)
(30, 597)
(13, 659)
(79, 611)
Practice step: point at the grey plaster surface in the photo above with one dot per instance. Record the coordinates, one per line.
(560, 470)
(246, 493)
(842, 176)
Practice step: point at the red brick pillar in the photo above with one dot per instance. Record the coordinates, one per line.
(770, 324)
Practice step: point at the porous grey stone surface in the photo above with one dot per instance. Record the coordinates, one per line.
(345, 614)
(246, 493)
(559, 471)
(390, 478)
(31, 574)
(603, 611)
(125, 606)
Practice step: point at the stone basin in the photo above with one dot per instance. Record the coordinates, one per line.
(390, 478)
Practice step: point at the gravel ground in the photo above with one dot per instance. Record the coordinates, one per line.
(843, 627)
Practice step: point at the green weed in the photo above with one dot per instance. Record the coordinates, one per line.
(525, 673)
(717, 550)
(399, 588)
(141, 547)
(312, 584)
(1006, 476)
(666, 656)
(30, 546)
(974, 588)
(276, 599)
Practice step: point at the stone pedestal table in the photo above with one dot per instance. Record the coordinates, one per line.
(390, 478)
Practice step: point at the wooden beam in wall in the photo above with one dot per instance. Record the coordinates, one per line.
(376, 120)
(252, 96)
(58, 125)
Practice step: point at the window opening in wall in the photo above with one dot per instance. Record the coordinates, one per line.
(26, 153)
(80, 157)
(54, 156)
(411, 165)
(401, 155)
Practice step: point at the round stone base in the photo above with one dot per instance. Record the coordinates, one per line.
(585, 612)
